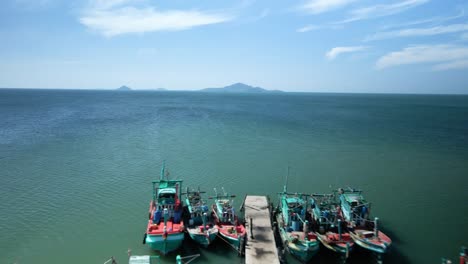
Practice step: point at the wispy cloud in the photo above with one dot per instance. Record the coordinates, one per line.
(32, 5)
(106, 4)
(382, 10)
(418, 32)
(307, 28)
(321, 6)
(264, 13)
(116, 17)
(431, 20)
(464, 36)
(453, 65)
(442, 57)
(335, 52)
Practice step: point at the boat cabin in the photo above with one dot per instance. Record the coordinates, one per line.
(354, 207)
(196, 207)
(295, 213)
(166, 201)
(226, 211)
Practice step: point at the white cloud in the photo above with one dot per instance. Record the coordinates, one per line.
(114, 17)
(418, 32)
(382, 10)
(333, 53)
(444, 57)
(321, 6)
(307, 28)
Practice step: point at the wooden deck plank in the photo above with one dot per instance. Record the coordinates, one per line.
(261, 247)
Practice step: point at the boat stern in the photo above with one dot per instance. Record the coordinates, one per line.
(165, 244)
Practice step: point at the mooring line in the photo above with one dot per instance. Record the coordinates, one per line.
(237, 250)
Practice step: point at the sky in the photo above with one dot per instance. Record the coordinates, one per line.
(368, 46)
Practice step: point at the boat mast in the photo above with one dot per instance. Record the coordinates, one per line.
(163, 170)
(285, 187)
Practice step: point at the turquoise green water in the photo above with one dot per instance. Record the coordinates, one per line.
(76, 166)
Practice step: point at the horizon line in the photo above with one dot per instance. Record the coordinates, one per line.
(269, 92)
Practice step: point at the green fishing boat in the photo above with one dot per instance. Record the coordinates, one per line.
(293, 224)
(165, 229)
(329, 225)
(365, 232)
(227, 221)
(200, 224)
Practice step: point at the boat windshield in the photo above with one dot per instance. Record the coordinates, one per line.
(167, 195)
(294, 202)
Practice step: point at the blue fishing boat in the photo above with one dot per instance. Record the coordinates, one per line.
(200, 224)
(356, 211)
(293, 225)
(165, 229)
(329, 223)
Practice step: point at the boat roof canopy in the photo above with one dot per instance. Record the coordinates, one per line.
(293, 200)
(353, 197)
(167, 191)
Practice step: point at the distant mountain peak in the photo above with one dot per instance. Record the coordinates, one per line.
(239, 84)
(238, 88)
(124, 88)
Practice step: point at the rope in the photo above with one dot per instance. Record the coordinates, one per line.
(192, 258)
(358, 217)
(300, 218)
(237, 250)
(111, 260)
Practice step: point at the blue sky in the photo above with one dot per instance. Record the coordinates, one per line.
(402, 46)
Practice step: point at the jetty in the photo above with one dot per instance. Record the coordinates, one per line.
(260, 246)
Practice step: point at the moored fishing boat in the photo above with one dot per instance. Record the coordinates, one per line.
(227, 221)
(165, 229)
(356, 211)
(329, 224)
(293, 224)
(200, 225)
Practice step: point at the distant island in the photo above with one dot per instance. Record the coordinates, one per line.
(124, 88)
(239, 88)
(233, 88)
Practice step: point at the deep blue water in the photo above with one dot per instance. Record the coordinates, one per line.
(76, 165)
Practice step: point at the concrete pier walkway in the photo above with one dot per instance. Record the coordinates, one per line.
(260, 246)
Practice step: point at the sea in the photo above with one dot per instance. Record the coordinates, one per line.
(76, 166)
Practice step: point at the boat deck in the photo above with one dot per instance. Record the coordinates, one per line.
(260, 246)
(157, 229)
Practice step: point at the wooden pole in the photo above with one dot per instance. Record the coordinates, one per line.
(251, 228)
